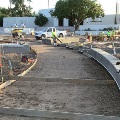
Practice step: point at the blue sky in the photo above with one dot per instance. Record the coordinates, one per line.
(108, 5)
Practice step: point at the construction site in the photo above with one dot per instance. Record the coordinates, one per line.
(77, 79)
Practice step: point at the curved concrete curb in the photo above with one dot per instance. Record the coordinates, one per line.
(26, 71)
(108, 61)
(63, 80)
(7, 83)
(54, 114)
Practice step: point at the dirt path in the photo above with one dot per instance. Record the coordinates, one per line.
(59, 62)
(62, 96)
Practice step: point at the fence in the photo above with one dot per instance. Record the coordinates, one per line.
(110, 62)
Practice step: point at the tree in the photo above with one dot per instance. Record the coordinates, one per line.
(41, 19)
(77, 10)
(20, 9)
(3, 13)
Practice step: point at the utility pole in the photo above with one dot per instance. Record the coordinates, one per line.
(48, 4)
(29, 5)
(117, 7)
(10, 5)
(117, 11)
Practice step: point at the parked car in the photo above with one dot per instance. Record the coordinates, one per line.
(47, 32)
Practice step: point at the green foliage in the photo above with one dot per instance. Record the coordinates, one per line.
(87, 29)
(1, 21)
(109, 28)
(3, 13)
(77, 10)
(41, 19)
(20, 9)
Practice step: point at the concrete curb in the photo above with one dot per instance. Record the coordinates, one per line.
(7, 83)
(46, 41)
(26, 71)
(54, 114)
(61, 45)
(61, 80)
(76, 47)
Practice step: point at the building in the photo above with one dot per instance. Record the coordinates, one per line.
(29, 21)
(112, 20)
(54, 21)
(8, 22)
(106, 20)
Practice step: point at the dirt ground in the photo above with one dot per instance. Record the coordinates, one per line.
(59, 62)
(13, 117)
(60, 96)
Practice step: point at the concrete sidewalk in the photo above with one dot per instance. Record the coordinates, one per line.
(47, 115)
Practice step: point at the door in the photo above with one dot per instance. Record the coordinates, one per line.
(49, 32)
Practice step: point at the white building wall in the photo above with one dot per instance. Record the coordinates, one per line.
(8, 22)
(98, 27)
(56, 22)
(65, 22)
(28, 21)
(46, 12)
(106, 20)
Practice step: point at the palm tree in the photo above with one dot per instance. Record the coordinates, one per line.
(20, 9)
(17, 1)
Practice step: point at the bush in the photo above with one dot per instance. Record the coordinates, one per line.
(41, 20)
(106, 29)
(87, 29)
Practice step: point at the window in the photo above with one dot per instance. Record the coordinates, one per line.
(53, 29)
(70, 23)
(60, 22)
(49, 30)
